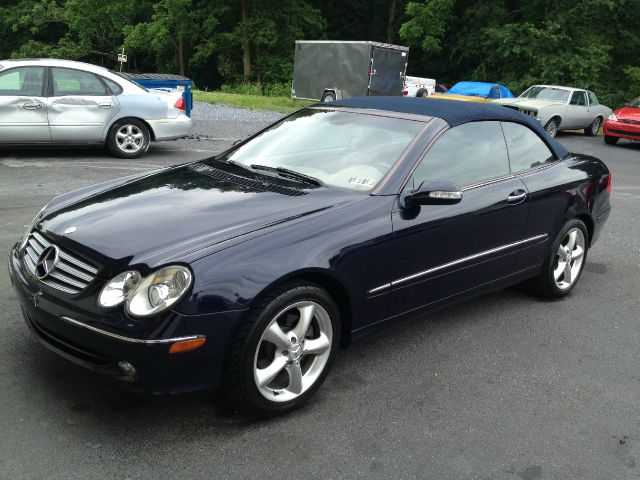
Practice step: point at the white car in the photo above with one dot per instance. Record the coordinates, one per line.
(560, 108)
(60, 102)
(418, 87)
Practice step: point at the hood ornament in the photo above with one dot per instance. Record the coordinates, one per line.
(70, 230)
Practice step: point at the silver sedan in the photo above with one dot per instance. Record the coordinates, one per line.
(560, 108)
(47, 102)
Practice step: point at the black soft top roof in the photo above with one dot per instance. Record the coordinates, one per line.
(454, 112)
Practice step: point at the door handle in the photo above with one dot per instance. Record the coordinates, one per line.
(517, 196)
(32, 106)
(105, 105)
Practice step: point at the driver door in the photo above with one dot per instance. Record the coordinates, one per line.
(443, 250)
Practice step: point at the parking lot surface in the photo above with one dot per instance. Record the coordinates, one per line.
(506, 386)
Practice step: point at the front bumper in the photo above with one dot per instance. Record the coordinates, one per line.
(171, 128)
(621, 130)
(60, 329)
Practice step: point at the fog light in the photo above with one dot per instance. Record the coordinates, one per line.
(126, 368)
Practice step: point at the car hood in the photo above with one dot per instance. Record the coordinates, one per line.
(628, 113)
(528, 103)
(179, 212)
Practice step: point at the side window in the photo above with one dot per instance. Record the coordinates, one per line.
(75, 82)
(113, 86)
(26, 81)
(526, 148)
(593, 100)
(465, 154)
(578, 98)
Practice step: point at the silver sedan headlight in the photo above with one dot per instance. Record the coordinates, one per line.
(149, 295)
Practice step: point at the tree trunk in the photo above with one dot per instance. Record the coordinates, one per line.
(181, 55)
(246, 51)
(392, 19)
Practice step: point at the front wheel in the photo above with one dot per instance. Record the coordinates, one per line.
(552, 127)
(328, 97)
(593, 129)
(565, 261)
(609, 140)
(284, 349)
(422, 93)
(128, 138)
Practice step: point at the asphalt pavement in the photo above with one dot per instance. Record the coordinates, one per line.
(505, 386)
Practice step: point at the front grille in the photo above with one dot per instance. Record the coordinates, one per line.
(249, 183)
(624, 132)
(531, 113)
(632, 122)
(69, 274)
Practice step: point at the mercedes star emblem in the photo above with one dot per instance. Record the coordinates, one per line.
(47, 262)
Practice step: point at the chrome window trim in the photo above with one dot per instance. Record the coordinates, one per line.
(130, 339)
(455, 262)
(483, 183)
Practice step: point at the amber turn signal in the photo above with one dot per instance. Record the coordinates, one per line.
(186, 345)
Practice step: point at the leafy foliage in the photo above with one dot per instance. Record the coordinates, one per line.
(593, 44)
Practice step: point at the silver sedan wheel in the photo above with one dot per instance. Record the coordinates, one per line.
(129, 138)
(595, 126)
(293, 351)
(569, 258)
(552, 128)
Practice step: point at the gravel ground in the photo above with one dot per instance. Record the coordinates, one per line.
(223, 123)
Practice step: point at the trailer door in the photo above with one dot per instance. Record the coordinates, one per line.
(388, 67)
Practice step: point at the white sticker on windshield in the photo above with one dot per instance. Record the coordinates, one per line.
(362, 181)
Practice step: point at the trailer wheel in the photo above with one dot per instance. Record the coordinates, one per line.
(422, 93)
(328, 97)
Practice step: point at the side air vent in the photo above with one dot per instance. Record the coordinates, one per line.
(244, 181)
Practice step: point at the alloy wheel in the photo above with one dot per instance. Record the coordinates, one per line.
(569, 258)
(552, 129)
(293, 351)
(595, 126)
(129, 138)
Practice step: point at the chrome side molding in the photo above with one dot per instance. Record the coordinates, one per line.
(454, 262)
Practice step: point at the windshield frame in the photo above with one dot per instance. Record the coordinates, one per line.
(385, 186)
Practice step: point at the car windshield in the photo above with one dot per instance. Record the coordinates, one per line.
(340, 149)
(635, 103)
(546, 93)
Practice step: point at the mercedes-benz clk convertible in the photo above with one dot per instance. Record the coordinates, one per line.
(248, 270)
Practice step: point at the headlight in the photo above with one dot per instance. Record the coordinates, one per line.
(118, 289)
(612, 116)
(30, 227)
(149, 295)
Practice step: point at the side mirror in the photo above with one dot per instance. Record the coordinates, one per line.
(432, 192)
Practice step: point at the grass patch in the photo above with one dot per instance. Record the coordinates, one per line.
(254, 102)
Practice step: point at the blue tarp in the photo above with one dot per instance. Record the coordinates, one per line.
(480, 89)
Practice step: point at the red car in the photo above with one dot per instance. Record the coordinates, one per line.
(623, 123)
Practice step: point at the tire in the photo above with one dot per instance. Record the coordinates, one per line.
(128, 138)
(593, 129)
(610, 140)
(268, 371)
(329, 97)
(422, 93)
(552, 127)
(554, 280)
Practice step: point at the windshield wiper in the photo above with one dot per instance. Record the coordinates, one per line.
(285, 172)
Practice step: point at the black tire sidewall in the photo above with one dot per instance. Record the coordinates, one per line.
(589, 130)
(328, 95)
(546, 127)
(549, 286)
(610, 140)
(112, 143)
(259, 318)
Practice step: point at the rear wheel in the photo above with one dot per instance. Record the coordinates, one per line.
(609, 140)
(552, 127)
(593, 129)
(328, 97)
(422, 93)
(128, 138)
(565, 261)
(284, 349)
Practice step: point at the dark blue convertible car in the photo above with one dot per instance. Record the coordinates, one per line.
(249, 269)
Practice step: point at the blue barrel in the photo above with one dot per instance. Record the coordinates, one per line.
(164, 80)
